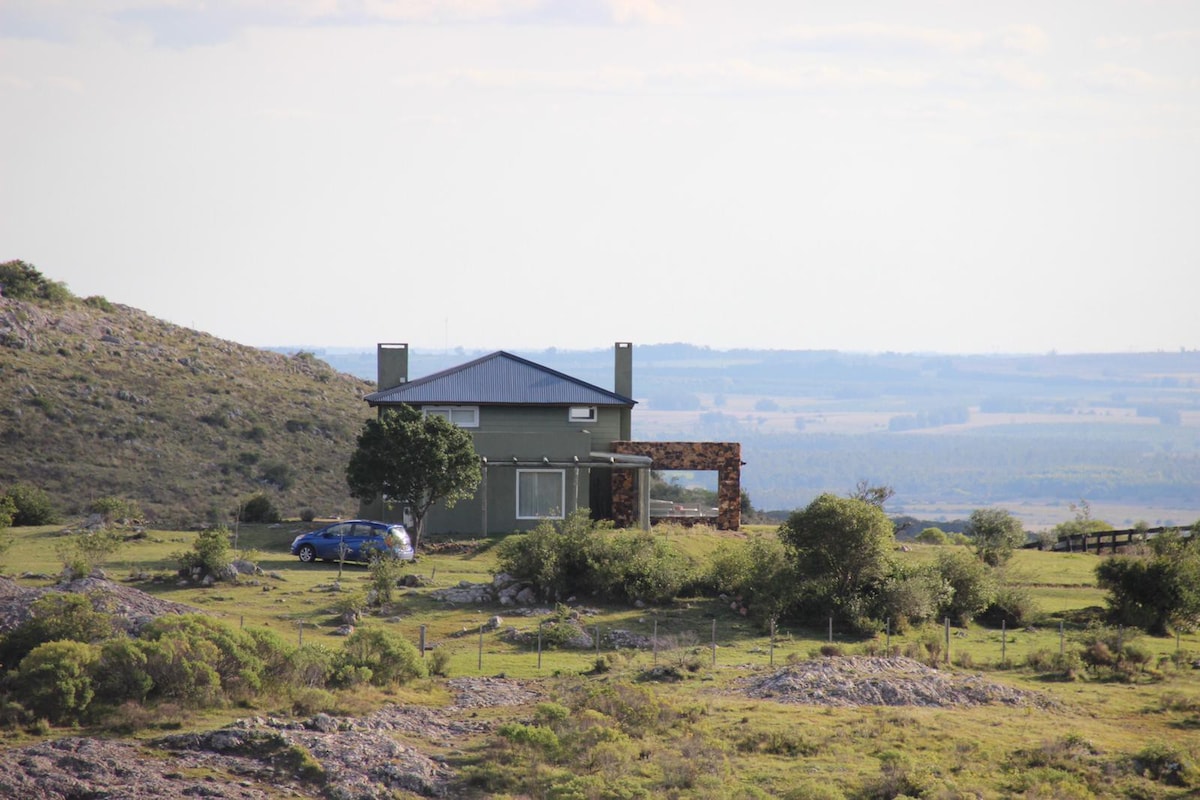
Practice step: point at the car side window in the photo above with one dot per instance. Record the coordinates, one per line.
(338, 531)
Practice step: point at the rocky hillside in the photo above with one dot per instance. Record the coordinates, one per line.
(99, 399)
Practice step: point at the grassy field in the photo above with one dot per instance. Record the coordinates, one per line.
(1097, 740)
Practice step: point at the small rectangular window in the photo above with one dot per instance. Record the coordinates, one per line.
(462, 416)
(582, 414)
(540, 493)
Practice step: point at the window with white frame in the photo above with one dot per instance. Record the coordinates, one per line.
(582, 414)
(462, 416)
(541, 493)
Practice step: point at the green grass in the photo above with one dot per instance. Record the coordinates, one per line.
(724, 744)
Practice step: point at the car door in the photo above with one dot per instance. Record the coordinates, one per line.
(359, 542)
(330, 545)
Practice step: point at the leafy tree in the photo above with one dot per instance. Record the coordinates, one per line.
(1083, 523)
(841, 548)
(932, 536)
(875, 495)
(996, 533)
(31, 505)
(408, 457)
(1158, 591)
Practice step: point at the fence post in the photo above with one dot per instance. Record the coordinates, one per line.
(1003, 642)
(947, 640)
(831, 630)
(655, 643)
(300, 626)
(540, 624)
(422, 641)
(597, 641)
(772, 643)
(480, 661)
(1061, 641)
(888, 653)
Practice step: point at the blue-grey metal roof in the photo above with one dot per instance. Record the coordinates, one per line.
(499, 379)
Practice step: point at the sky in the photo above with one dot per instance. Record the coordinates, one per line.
(948, 176)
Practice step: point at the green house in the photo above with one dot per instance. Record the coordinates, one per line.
(548, 444)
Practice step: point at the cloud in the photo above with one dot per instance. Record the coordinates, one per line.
(732, 76)
(884, 39)
(1115, 78)
(187, 23)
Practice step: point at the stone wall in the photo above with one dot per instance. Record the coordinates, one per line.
(724, 457)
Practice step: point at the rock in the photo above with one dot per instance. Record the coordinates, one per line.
(343, 630)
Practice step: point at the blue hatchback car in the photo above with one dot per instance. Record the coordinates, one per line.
(355, 540)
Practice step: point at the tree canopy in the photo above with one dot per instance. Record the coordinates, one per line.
(996, 533)
(1157, 591)
(840, 546)
(409, 457)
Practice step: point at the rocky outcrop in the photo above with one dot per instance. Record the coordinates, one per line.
(864, 681)
(377, 757)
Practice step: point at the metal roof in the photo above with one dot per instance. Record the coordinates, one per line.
(499, 379)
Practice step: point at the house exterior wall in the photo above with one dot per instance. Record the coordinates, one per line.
(530, 437)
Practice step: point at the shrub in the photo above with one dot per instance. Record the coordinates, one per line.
(230, 664)
(116, 509)
(31, 506)
(8, 510)
(971, 584)
(1162, 762)
(22, 281)
(307, 515)
(258, 508)
(933, 536)
(1012, 605)
(81, 553)
(55, 680)
(311, 665)
(386, 572)
(57, 616)
(210, 553)
(389, 658)
(913, 597)
(578, 556)
(100, 302)
(120, 672)
(439, 663)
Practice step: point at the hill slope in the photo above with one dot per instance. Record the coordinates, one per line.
(99, 399)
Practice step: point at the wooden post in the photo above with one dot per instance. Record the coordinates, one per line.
(888, 653)
(597, 641)
(300, 625)
(655, 643)
(540, 625)
(947, 640)
(422, 637)
(1061, 639)
(480, 664)
(1003, 642)
(772, 643)
(831, 630)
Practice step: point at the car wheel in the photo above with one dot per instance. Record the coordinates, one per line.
(307, 553)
